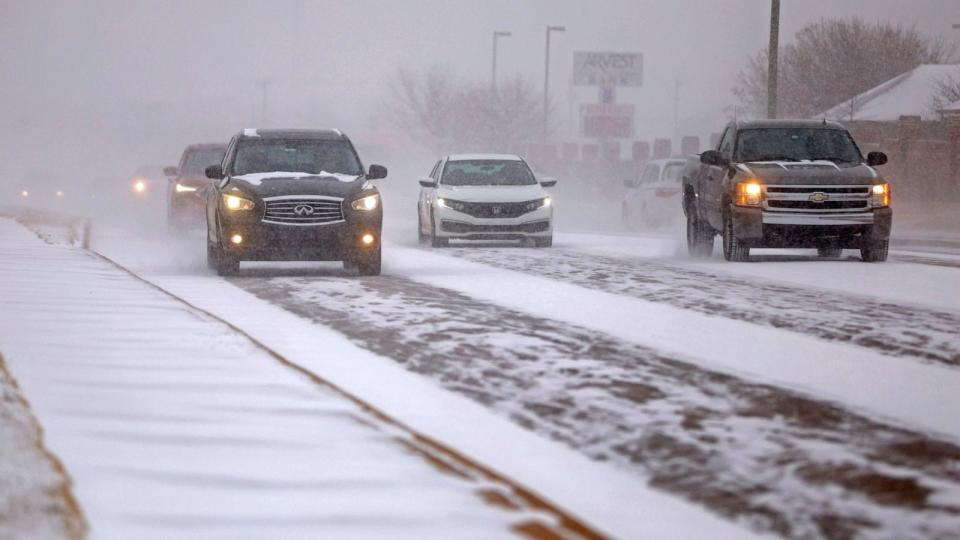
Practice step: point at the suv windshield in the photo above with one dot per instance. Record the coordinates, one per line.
(796, 144)
(487, 172)
(198, 160)
(311, 156)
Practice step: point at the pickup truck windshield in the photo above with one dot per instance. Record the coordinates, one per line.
(487, 172)
(304, 156)
(796, 144)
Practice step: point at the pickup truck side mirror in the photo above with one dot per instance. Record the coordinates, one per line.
(428, 182)
(876, 158)
(546, 181)
(214, 172)
(170, 171)
(377, 172)
(712, 157)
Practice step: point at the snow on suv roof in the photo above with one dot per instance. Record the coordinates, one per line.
(477, 157)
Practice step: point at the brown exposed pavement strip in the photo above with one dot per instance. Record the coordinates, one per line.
(36, 495)
(786, 463)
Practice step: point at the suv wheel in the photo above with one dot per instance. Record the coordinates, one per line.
(699, 236)
(733, 249)
(875, 251)
(368, 264)
(227, 264)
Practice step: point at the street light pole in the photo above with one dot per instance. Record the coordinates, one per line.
(493, 77)
(546, 81)
(772, 54)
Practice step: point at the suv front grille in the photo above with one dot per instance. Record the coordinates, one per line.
(303, 210)
(495, 210)
(817, 199)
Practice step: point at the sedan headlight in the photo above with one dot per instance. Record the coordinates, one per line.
(232, 202)
(748, 193)
(880, 195)
(180, 188)
(453, 205)
(366, 204)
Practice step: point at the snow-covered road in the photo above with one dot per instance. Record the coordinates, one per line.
(798, 397)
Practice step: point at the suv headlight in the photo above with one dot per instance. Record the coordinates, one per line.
(232, 202)
(880, 195)
(748, 193)
(366, 204)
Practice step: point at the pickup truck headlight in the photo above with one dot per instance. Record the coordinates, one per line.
(880, 195)
(232, 202)
(366, 204)
(748, 193)
(180, 188)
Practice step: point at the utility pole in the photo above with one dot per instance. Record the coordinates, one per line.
(493, 78)
(546, 82)
(772, 56)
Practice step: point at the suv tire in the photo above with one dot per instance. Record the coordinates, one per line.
(699, 236)
(368, 264)
(227, 264)
(733, 249)
(875, 251)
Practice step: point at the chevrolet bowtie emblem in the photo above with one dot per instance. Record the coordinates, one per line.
(818, 197)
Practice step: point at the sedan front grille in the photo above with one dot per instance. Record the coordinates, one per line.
(303, 210)
(495, 210)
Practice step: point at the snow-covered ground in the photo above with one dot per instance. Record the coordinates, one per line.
(795, 396)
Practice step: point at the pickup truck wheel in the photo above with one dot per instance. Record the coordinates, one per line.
(699, 237)
(733, 249)
(875, 251)
(829, 252)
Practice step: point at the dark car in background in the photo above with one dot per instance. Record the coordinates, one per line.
(286, 195)
(185, 194)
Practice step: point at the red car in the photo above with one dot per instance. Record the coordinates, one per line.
(185, 202)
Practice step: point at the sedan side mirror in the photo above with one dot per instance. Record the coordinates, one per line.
(214, 172)
(428, 182)
(546, 181)
(170, 171)
(712, 157)
(876, 158)
(377, 172)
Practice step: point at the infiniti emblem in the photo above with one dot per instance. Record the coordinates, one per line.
(303, 210)
(819, 197)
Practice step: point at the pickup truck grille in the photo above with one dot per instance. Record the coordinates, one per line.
(819, 199)
(303, 210)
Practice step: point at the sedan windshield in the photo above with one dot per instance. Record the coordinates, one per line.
(487, 172)
(304, 156)
(198, 160)
(796, 144)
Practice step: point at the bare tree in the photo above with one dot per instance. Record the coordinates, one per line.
(946, 91)
(449, 115)
(832, 61)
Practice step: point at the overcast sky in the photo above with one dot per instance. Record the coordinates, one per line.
(133, 82)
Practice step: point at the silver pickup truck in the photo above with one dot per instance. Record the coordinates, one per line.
(789, 184)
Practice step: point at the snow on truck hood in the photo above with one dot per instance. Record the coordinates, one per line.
(814, 172)
(256, 178)
(492, 193)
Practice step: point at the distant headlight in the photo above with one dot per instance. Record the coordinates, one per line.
(139, 187)
(366, 204)
(880, 195)
(180, 188)
(232, 202)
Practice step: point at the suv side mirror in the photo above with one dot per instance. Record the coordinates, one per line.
(876, 158)
(712, 157)
(376, 172)
(428, 182)
(546, 181)
(170, 171)
(214, 172)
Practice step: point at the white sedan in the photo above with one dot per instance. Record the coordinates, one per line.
(654, 199)
(484, 197)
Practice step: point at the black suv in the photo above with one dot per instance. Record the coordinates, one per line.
(293, 195)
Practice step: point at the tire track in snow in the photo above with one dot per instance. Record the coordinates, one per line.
(748, 451)
(887, 327)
